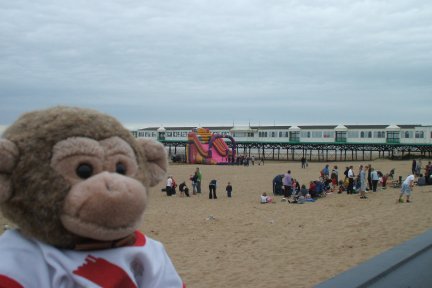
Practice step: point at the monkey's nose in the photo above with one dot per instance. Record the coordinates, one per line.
(114, 183)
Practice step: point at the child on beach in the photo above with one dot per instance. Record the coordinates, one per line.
(265, 198)
(228, 190)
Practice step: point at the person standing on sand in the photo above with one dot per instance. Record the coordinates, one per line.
(350, 176)
(369, 176)
(193, 178)
(168, 187)
(418, 167)
(287, 184)
(406, 189)
(212, 189)
(346, 173)
(375, 179)
(199, 179)
(362, 178)
(334, 177)
(427, 171)
(303, 162)
(228, 190)
(413, 167)
(173, 186)
(325, 172)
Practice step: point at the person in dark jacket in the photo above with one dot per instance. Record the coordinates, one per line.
(228, 189)
(212, 189)
(183, 189)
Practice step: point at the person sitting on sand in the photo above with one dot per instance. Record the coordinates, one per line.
(321, 188)
(303, 190)
(298, 187)
(312, 189)
(326, 185)
(300, 196)
(295, 186)
(265, 198)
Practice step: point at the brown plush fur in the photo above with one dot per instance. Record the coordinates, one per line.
(38, 191)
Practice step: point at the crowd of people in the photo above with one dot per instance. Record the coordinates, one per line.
(365, 178)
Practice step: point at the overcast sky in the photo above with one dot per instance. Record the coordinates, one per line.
(202, 62)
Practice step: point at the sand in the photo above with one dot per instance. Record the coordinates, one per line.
(238, 242)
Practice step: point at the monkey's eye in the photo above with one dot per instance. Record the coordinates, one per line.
(120, 168)
(84, 170)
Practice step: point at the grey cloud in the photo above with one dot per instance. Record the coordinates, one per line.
(250, 58)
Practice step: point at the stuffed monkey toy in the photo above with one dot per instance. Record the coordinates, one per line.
(75, 183)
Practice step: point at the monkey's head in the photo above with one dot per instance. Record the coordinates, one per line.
(71, 175)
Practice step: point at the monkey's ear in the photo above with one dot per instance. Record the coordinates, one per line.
(8, 159)
(157, 159)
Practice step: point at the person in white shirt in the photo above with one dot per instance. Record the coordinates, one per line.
(265, 198)
(406, 189)
(168, 187)
(350, 175)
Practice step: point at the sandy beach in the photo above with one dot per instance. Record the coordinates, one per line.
(238, 242)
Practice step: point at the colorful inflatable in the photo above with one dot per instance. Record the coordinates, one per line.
(205, 147)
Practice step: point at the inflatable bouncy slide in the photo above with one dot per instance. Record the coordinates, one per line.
(205, 147)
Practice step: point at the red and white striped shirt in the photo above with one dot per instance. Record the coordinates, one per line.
(26, 262)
